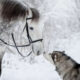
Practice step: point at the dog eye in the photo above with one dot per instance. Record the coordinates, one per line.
(31, 28)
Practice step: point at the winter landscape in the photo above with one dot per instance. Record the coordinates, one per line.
(60, 29)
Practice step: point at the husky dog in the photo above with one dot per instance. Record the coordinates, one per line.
(67, 68)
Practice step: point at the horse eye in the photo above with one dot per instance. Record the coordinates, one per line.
(31, 28)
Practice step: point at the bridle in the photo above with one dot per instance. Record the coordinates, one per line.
(26, 27)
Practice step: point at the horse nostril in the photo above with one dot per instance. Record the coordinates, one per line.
(38, 53)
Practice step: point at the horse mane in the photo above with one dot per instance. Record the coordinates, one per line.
(12, 10)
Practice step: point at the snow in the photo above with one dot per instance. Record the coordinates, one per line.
(61, 31)
(20, 69)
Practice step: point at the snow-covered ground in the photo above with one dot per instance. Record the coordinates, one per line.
(61, 31)
(21, 69)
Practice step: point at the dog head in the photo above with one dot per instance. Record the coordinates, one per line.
(55, 57)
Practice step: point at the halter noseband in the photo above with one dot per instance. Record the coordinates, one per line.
(29, 39)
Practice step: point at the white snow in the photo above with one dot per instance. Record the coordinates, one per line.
(20, 69)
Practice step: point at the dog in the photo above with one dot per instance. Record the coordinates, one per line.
(67, 68)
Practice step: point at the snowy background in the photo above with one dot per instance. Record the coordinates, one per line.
(61, 31)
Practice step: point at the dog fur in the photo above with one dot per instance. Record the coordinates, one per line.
(67, 68)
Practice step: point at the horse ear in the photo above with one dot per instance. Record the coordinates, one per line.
(35, 14)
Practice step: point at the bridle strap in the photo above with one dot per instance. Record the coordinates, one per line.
(27, 31)
(15, 44)
(29, 39)
(17, 47)
(20, 45)
(29, 18)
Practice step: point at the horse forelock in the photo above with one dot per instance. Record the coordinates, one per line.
(12, 10)
(35, 14)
